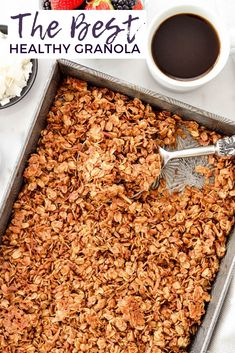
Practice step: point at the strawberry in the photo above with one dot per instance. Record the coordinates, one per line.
(138, 5)
(99, 5)
(66, 4)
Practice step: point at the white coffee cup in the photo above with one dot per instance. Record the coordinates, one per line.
(189, 84)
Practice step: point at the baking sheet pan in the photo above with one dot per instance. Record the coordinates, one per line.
(212, 121)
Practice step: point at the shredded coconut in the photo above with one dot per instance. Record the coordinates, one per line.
(14, 75)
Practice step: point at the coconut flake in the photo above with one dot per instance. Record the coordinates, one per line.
(14, 75)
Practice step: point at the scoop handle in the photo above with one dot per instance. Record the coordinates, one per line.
(193, 152)
(223, 147)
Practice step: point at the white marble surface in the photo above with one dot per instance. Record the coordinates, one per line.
(218, 96)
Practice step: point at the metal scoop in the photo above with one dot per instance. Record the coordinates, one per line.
(224, 147)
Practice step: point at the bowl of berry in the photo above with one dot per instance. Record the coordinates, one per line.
(92, 4)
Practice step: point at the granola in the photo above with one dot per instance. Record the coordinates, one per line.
(86, 268)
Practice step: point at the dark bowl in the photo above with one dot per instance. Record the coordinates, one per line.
(31, 79)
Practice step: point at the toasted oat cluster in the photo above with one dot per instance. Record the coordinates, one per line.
(84, 266)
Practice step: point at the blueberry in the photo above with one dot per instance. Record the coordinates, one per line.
(123, 4)
(47, 5)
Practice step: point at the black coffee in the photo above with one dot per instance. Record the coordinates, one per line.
(185, 46)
